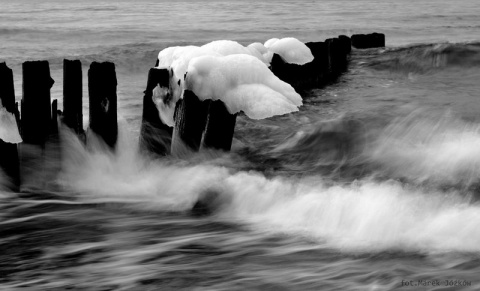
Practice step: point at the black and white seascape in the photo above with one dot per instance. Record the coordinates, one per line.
(371, 182)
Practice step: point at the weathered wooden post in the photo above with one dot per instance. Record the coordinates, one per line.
(220, 127)
(320, 65)
(35, 123)
(54, 122)
(102, 90)
(190, 121)
(9, 162)
(155, 136)
(346, 43)
(36, 110)
(72, 95)
(364, 41)
(378, 39)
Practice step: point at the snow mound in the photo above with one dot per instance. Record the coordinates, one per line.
(243, 83)
(260, 48)
(290, 49)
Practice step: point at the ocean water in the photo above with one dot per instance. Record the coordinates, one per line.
(372, 185)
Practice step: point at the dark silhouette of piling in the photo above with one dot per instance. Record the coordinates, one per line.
(364, 41)
(54, 120)
(9, 162)
(337, 55)
(319, 68)
(72, 95)
(36, 110)
(289, 73)
(190, 121)
(220, 127)
(345, 43)
(102, 90)
(155, 136)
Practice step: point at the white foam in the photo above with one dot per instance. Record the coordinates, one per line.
(243, 83)
(366, 216)
(8, 127)
(290, 49)
(363, 216)
(424, 148)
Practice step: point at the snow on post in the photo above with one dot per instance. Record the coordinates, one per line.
(291, 61)
(9, 133)
(234, 83)
(102, 90)
(155, 136)
(237, 77)
(72, 95)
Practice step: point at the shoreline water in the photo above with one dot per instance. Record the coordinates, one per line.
(299, 209)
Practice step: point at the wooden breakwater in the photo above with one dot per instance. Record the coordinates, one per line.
(198, 124)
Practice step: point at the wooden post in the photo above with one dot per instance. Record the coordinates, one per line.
(9, 162)
(220, 127)
(35, 123)
(319, 67)
(346, 43)
(54, 122)
(155, 136)
(190, 120)
(72, 95)
(378, 39)
(36, 110)
(102, 90)
(373, 40)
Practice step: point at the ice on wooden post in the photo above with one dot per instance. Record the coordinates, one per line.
(72, 95)
(292, 62)
(290, 49)
(234, 83)
(155, 136)
(9, 132)
(102, 90)
(236, 76)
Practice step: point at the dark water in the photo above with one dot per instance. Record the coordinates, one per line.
(373, 183)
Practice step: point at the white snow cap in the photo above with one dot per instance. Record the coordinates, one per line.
(243, 83)
(290, 49)
(259, 47)
(249, 86)
(8, 127)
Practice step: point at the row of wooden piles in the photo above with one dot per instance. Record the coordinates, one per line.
(198, 124)
(38, 122)
(208, 125)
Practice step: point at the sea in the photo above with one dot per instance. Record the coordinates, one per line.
(374, 184)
